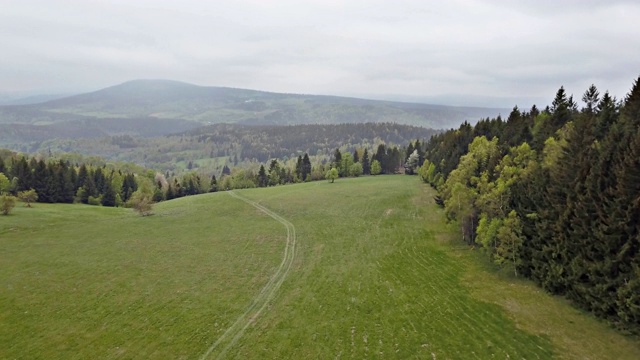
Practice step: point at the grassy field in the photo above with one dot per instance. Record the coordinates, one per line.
(375, 273)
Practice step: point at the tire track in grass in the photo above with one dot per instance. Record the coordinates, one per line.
(259, 303)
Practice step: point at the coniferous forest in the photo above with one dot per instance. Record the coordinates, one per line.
(553, 195)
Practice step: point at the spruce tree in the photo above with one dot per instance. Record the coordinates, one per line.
(263, 179)
(108, 195)
(299, 171)
(306, 167)
(366, 164)
(66, 182)
(213, 184)
(337, 159)
(607, 115)
(40, 182)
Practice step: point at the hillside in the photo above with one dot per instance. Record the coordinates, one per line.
(208, 277)
(210, 148)
(172, 100)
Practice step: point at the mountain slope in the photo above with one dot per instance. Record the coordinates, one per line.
(207, 105)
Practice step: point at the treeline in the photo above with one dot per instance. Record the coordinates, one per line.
(554, 195)
(386, 160)
(61, 182)
(93, 182)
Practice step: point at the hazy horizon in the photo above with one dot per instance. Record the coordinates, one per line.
(471, 53)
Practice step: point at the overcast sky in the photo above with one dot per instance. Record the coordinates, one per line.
(496, 53)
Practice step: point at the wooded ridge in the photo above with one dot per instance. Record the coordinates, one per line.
(554, 195)
(172, 100)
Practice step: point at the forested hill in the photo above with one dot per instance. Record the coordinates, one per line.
(266, 142)
(553, 194)
(210, 148)
(143, 99)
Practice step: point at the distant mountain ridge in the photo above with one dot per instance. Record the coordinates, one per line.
(174, 100)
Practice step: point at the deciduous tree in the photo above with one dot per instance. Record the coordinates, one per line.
(376, 169)
(7, 203)
(28, 196)
(332, 175)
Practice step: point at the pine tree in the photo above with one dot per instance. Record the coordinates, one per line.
(299, 171)
(99, 180)
(40, 182)
(337, 159)
(366, 165)
(170, 194)
(82, 176)
(108, 195)
(591, 98)
(21, 171)
(306, 167)
(213, 184)
(66, 182)
(607, 112)
(129, 186)
(263, 179)
(381, 157)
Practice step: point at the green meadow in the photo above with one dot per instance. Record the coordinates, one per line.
(361, 268)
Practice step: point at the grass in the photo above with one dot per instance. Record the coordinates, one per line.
(86, 282)
(377, 273)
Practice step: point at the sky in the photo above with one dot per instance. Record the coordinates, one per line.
(477, 53)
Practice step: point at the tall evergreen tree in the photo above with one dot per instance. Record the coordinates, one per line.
(40, 179)
(381, 156)
(299, 171)
(66, 182)
(591, 98)
(337, 159)
(607, 114)
(263, 179)
(366, 164)
(213, 184)
(108, 195)
(82, 176)
(306, 167)
(22, 171)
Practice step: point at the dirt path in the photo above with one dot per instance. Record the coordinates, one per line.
(231, 336)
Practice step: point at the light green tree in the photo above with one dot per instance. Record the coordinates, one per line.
(345, 164)
(493, 202)
(509, 242)
(141, 202)
(5, 184)
(459, 206)
(376, 168)
(355, 170)
(28, 196)
(7, 203)
(332, 175)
